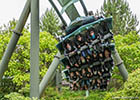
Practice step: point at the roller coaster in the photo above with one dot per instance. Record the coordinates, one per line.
(87, 50)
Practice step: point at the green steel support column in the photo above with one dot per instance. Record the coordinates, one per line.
(87, 93)
(34, 52)
(15, 37)
(120, 65)
(49, 74)
(58, 79)
(84, 7)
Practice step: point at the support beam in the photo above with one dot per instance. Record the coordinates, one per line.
(34, 51)
(120, 65)
(49, 74)
(58, 80)
(71, 11)
(87, 93)
(59, 14)
(84, 7)
(15, 37)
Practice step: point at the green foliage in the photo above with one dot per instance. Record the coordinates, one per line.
(128, 47)
(66, 94)
(6, 86)
(50, 23)
(7, 28)
(131, 87)
(19, 65)
(17, 96)
(10, 26)
(123, 19)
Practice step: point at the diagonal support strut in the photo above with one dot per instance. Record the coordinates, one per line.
(15, 37)
(49, 74)
(120, 65)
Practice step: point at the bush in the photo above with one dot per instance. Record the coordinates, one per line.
(49, 22)
(17, 96)
(128, 47)
(131, 87)
(19, 65)
(67, 94)
(124, 21)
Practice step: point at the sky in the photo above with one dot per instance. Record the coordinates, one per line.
(10, 9)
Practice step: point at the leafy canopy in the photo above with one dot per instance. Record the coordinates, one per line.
(19, 65)
(49, 22)
(124, 21)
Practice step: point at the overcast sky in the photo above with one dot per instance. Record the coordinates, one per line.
(10, 9)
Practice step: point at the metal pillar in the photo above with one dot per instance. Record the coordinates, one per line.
(15, 37)
(49, 74)
(120, 65)
(84, 7)
(34, 52)
(87, 93)
(58, 80)
(59, 14)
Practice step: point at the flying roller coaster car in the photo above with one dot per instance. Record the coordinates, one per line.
(87, 49)
(82, 24)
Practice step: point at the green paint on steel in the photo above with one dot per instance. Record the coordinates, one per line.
(49, 74)
(67, 5)
(63, 2)
(120, 64)
(71, 11)
(58, 79)
(34, 51)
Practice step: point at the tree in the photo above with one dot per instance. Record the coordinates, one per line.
(10, 26)
(19, 65)
(50, 22)
(7, 28)
(128, 47)
(123, 19)
(130, 89)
